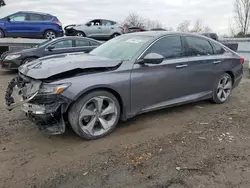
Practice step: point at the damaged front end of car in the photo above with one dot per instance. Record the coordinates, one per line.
(40, 101)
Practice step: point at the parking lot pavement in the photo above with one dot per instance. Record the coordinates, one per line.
(196, 145)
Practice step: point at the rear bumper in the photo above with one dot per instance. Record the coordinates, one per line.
(60, 34)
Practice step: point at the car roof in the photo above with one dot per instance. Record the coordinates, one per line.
(33, 12)
(158, 34)
(75, 38)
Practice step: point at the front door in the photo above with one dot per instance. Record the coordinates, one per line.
(17, 25)
(93, 29)
(155, 85)
(63, 46)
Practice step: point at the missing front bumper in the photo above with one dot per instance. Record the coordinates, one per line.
(46, 111)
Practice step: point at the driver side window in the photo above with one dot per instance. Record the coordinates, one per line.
(63, 44)
(169, 47)
(18, 17)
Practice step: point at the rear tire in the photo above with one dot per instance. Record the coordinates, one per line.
(222, 89)
(49, 34)
(80, 34)
(1, 34)
(94, 115)
(115, 35)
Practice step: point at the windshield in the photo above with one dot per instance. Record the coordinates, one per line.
(125, 47)
(43, 43)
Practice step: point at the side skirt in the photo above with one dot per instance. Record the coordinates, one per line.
(179, 101)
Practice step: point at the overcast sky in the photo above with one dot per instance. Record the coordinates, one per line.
(214, 13)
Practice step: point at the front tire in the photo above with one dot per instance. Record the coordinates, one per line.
(1, 34)
(80, 34)
(115, 35)
(27, 60)
(94, 115)
(223, 89)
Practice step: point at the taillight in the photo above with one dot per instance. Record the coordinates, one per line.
(242, 60)
(139, 30)
(58, 23)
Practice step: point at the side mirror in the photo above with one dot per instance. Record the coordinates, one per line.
(50, 48)
(8, 19)
(152, 58)
(88, 24)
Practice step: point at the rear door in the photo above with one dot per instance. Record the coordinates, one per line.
(18, 26)
(83, 45)
(59, 47)
(203, 65)
(157, 85)
(36, 24)
(107, 28)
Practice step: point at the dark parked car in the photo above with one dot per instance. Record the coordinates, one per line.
(135, 29)
(158, 29)
(31, 25)
(126, 76)
(13, 60)
(210, 35)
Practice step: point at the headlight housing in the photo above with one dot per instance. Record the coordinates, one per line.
(47, 89)
(10, 57)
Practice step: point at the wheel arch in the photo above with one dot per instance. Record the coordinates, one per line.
(103, 88)
(81, 32)
(36, 57)
(1, 29)
(232, 76)
(48, 30)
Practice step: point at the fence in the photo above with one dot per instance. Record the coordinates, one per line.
(243, 46)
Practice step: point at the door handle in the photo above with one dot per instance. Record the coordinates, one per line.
(99, 27)
(216, 62)
(181, 66)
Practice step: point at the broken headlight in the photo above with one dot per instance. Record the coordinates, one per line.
(10, 57)
(47, 89)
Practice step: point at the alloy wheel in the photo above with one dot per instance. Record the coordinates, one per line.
(50, 35)
(1, 34)
(224, 88)
(98, 115)
(79, 34)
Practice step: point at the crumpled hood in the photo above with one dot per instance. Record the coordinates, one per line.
(46, 67)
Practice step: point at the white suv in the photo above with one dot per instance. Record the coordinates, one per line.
(97, 29)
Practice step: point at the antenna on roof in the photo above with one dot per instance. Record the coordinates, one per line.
(2, 3)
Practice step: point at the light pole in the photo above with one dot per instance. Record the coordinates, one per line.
(2, 3)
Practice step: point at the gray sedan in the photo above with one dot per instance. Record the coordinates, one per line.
(126, 76)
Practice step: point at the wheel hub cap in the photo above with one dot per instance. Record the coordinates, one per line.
(224, 88)
(98, 115)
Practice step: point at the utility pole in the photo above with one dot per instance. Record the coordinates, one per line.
(2, 3)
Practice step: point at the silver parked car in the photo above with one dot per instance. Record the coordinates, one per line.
(98, 29)
(126, 76)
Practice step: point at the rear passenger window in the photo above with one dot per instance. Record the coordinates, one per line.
(168, 47)
(198, 47)
(46, 17)
(35, 17)
(80, 43)
(218, 49)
